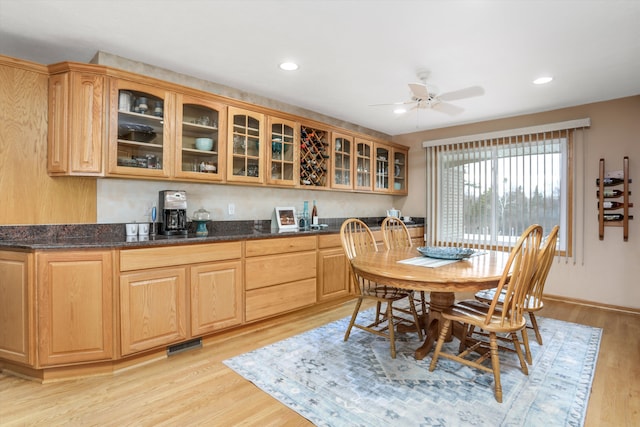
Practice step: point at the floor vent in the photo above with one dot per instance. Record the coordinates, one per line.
(189, 345)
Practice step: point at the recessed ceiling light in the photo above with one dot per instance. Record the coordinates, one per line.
(289, 66)
(542, 80)
(400, 110)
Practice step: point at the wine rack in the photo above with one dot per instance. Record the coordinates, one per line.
(314, 157)
(613, 199)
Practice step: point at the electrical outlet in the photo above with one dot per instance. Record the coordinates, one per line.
(232, 209)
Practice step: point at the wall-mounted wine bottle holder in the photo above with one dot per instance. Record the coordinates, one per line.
(613, 199)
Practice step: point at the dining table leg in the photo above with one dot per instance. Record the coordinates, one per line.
(438, 301)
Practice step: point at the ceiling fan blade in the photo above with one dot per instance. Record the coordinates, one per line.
(445, 107)
(468, 92)
(419, 90)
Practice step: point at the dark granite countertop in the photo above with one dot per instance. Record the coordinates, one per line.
(112, 236)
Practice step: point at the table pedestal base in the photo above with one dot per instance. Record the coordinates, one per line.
(438, 301)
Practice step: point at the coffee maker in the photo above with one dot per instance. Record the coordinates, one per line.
(173, 213)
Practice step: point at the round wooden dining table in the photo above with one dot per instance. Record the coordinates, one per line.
(481, 271)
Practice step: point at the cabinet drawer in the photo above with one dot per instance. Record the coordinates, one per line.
(275, 269)
(329, 241)
(279, 299)
(280, 246)
(143, 258)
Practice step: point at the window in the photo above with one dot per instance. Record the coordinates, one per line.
(486, 190)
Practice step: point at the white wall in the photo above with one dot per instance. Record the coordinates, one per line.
(603, 271)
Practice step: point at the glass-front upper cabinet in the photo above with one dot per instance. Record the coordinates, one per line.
(364, 165)
(400, 157)
(283, 157)
(382, 156)
(201, 142)
(342, 171)
(244, 148)
(139, 142)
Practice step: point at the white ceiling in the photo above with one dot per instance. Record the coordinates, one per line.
(355, 53)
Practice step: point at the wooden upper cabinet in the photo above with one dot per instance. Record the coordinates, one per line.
(245, 146)
(200, 144)
(76, 123)
(364, 169)
(342, 151)
(400, 165)
(283, 158)
(141, 129)
(382, 159)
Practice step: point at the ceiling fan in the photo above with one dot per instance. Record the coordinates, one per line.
(424, 98)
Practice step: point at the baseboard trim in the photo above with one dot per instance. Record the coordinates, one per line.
(586, 303)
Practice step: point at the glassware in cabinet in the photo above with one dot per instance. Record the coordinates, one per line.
(342, 158)
(200, 144)
(364, 165)
(399, 171)
(140, 135)
(382, 155)
(314, 157)
(244, 150)
(282, 164)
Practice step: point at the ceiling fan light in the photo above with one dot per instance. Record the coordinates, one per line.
(542, 80)
(400, 110)
(289, 66)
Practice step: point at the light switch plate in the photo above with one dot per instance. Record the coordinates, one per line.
(232, 209)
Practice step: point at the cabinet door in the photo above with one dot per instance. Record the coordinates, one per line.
(75, 306)
(400, 171)
(342, 161)
(76, 124)
(382, 159)
(201, 139)
(142, 130)
(333, 274)
(283, 159)
(17, 341)
(152, 309)
(216, 297)
(364, 165)
(245, 146)
(314, 157)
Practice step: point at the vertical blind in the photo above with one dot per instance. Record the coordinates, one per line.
(484, 190)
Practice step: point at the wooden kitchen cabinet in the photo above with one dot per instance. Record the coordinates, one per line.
(364, 169)
(199, 118)
(74, 295)
(153, 309)
(280, 275)
(17, 336)
(141, 129)
(216, 296)
(283, 159)
(333, 279)
(245, 146)
(400, 164)
(342, 152)
(76, 121)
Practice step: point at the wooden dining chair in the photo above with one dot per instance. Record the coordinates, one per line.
(533, 300)
(358, 239)
(496, 318)
(396, 235)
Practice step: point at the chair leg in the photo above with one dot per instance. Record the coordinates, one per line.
(412, 305)
(353, 318)
(495, 365)
(534, 323)
(392, 335)
(527, 350)
(516, 344)
(424, 303)
(439, 344)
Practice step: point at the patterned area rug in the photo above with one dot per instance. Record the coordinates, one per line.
(356, 383)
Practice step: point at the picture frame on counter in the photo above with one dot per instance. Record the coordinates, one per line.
(285, 219)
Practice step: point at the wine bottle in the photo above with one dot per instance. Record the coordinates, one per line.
(314, 214)
(611, 205)
(610, 181)
(612, 193)
(615, 217)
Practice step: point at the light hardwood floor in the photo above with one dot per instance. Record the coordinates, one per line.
(195, 388)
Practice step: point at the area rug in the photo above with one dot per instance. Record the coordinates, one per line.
(357, 383)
